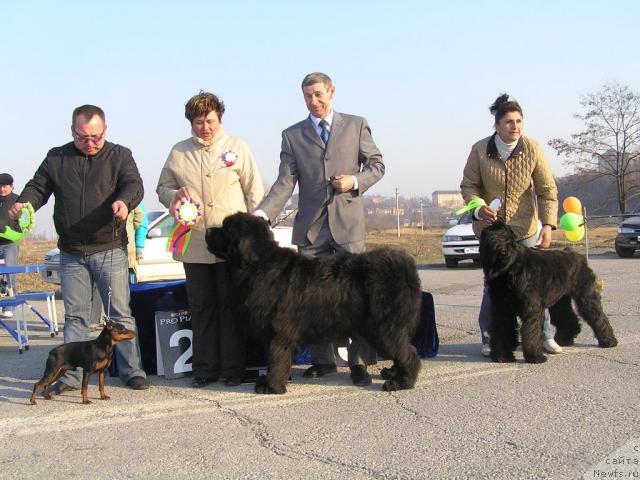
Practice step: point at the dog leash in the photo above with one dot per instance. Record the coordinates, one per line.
(114, 230)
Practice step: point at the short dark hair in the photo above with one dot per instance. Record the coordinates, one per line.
(88, 112)
(503, 105)
(317, 77)
(202, 104)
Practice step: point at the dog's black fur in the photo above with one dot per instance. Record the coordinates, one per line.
(523, 282)
(291, 300)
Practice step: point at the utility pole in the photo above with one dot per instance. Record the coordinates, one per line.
(421, 217)
(398, 212)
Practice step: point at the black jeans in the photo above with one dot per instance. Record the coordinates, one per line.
(219, 339)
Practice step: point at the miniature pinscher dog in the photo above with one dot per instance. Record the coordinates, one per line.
(91, 355)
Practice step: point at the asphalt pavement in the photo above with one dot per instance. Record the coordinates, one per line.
(575, 416)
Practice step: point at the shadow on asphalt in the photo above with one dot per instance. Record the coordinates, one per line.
(442, 266)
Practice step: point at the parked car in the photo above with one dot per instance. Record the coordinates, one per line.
(460, 243)
(157, 263)
(628, 237)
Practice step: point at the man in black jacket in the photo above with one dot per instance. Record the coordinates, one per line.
(8, 250)
(96, 184)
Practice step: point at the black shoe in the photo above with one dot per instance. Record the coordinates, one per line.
(200, 382)
(138, 383)
(319, 370)
(232, 382)
(360, 376)
(60, 387)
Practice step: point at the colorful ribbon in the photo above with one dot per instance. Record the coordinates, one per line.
(178, 240)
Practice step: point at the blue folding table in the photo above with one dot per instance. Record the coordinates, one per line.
(21, 332)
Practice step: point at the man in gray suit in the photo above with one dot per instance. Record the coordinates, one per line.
(334, 159)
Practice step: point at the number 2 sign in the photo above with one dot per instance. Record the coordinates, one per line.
(173, 343)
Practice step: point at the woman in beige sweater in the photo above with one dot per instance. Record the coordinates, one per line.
(218, 172)
(512, 167)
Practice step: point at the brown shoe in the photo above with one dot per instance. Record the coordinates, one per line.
(319, 370)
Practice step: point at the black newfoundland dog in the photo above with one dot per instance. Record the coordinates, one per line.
(290, 300)
(523, 282)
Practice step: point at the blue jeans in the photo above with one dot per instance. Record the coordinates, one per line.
(9, 253)
(77, 275)
(485, 307)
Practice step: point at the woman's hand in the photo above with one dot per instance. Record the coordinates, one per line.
(544, 238)
(487, 215)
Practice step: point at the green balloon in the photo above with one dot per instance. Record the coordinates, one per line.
(571, 221)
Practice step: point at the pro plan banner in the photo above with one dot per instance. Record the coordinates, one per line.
(173, 343)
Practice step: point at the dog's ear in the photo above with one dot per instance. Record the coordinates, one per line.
(247, 249)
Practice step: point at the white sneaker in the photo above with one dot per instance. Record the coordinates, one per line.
(486, 350)
(551, 346)
(7, 314)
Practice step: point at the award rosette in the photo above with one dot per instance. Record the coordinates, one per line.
(229, 158)
(187, 213)
(26, 222)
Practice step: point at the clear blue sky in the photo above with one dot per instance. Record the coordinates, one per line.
(423, 73)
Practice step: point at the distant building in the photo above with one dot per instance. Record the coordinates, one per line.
(447, 199)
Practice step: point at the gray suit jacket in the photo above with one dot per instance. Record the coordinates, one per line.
(305, 160)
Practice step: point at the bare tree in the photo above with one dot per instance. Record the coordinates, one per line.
(610, 143)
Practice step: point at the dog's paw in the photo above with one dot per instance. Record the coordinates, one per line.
(263, 388)
(388, 373)
(390, 386)
(532, 358)
(565, 342)
(502, 357)
(608, 342)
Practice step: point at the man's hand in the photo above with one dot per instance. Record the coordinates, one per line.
(545, 237)
(342, 183)
(120, 209)
(487, 215)
(14, 212)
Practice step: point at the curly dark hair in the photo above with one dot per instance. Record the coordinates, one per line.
(202, 104)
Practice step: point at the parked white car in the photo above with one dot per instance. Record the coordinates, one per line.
(157, 263)
(460, 243)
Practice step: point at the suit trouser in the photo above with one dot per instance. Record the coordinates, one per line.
(219, 339)
(484, 318)
(359, 351)
(109, 271)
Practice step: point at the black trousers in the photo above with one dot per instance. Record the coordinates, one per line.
(219, 339)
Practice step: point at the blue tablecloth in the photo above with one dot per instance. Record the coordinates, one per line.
(147, 298)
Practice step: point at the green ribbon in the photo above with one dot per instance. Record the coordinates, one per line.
(474, 203)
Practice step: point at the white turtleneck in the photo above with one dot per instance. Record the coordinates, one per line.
(504, 149)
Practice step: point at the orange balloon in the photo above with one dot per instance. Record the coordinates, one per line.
(575, 235)
(572, 205)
